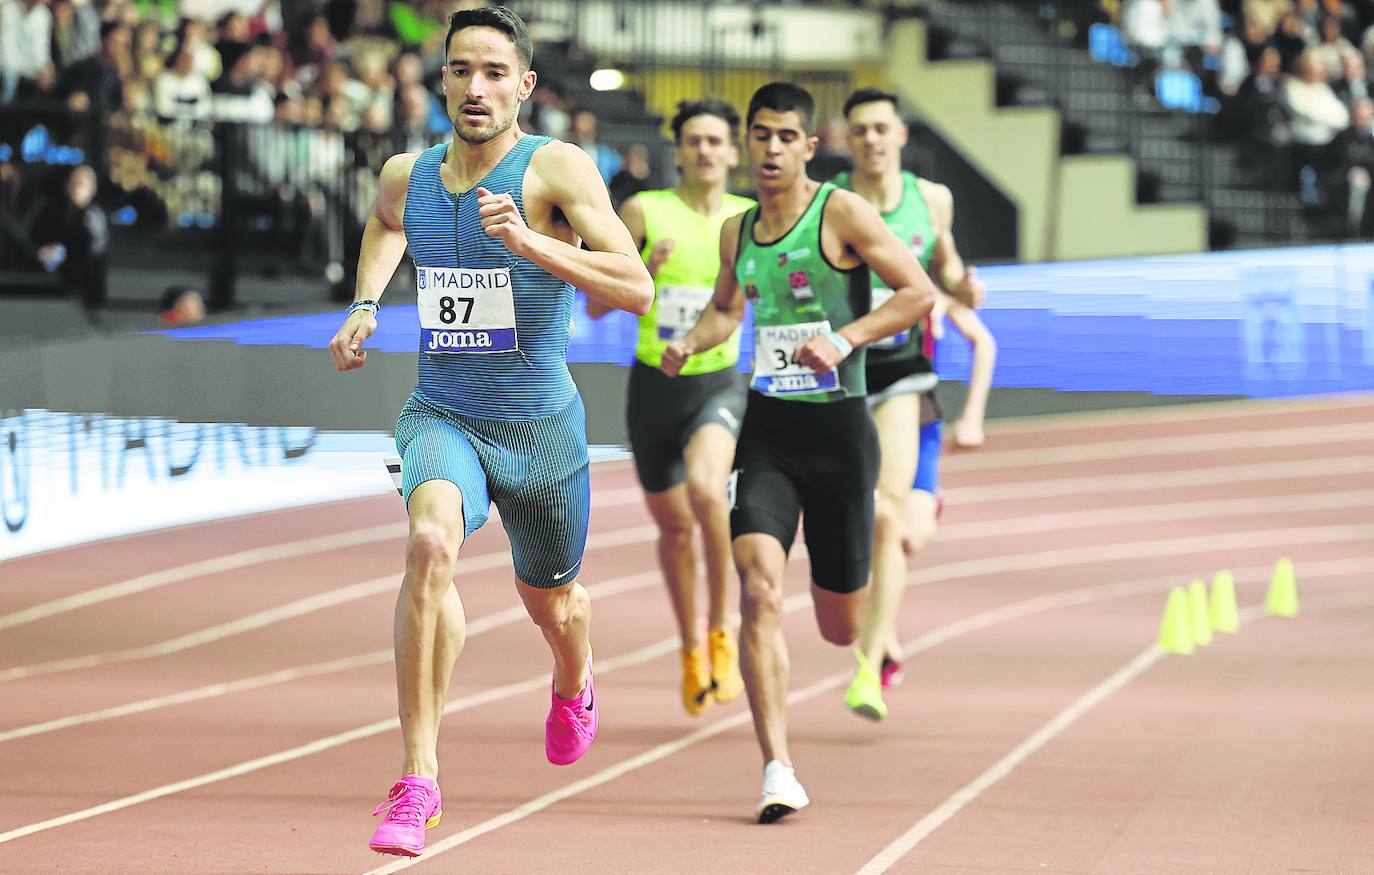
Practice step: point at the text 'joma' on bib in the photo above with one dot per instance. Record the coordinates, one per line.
(465, 310)
(776, 369)
(679, 307)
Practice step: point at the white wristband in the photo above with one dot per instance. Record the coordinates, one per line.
(844, 346)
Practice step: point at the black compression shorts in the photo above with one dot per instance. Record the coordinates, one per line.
(662, 413)
(816, 461)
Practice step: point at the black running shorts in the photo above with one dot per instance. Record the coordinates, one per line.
(662, 413)
(814, 461)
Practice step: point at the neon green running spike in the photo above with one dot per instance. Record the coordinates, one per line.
(865, 694)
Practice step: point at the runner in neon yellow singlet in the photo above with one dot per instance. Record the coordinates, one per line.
(682, 431)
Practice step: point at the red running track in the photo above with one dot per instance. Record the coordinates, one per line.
(219, 697)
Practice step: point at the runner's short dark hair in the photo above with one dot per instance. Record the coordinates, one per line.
(690, 109)
(871, 95)
(500, 18)
(783, 97)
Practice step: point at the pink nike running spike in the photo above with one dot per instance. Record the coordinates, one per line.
(412, 806)
(572, 723)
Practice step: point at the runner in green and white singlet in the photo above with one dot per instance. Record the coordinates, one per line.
(901, 375)
(808, 446)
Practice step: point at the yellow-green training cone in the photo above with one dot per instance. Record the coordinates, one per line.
(1176, 631)
(1199, 614)
(1282, 600)
(1225, 617)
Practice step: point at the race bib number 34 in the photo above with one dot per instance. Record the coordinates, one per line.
(678, 310)
(776, 369)
(465, 310)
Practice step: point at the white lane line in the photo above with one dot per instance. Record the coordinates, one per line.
(796, 602)
(1146, 513)
(258, 556)
(1302, 436)
(298, 608)
(948, 571)
(1003, 767)
(961, 798)
(192, 570)
(362, 660)
(958, 532)
(1216, 475)
(530, 685)
(931, 639)
(619, 497)
(1201, 413)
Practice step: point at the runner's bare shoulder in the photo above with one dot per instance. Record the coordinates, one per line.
(393, 183)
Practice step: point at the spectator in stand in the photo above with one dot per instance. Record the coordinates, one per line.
(408, 70)
(25, 47)
(1333, 47)
(16, 247)
(1265, 14)
(1291, 39)
(75, 32)
(182, 92)
(583, 132)
(97, 83)
(1309, 12)
(72, 237)
(207, 60)
(149, 57)
(1173, 33)
(1353, 84)
(412, 129)
(275, 76)
(1348, 19)
(339, 86)
(1263, 114)
(549, 112)
(1317, 116)
(233, 39)
(1350, 162)
(1239, 50)
(633, 177)
(310, 47)
(241, 95)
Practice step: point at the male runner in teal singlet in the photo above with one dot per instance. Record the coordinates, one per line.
(493, 222)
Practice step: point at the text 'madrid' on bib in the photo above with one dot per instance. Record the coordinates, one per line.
(776, 368)
(466, 310)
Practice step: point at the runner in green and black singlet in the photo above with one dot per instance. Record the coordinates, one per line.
(808, 447)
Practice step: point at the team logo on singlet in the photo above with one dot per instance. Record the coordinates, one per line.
(918, 245)
(801, 285)
(785, 257)
(751, 292)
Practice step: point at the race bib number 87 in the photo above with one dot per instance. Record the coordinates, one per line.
(465, 310)
(776, 369)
